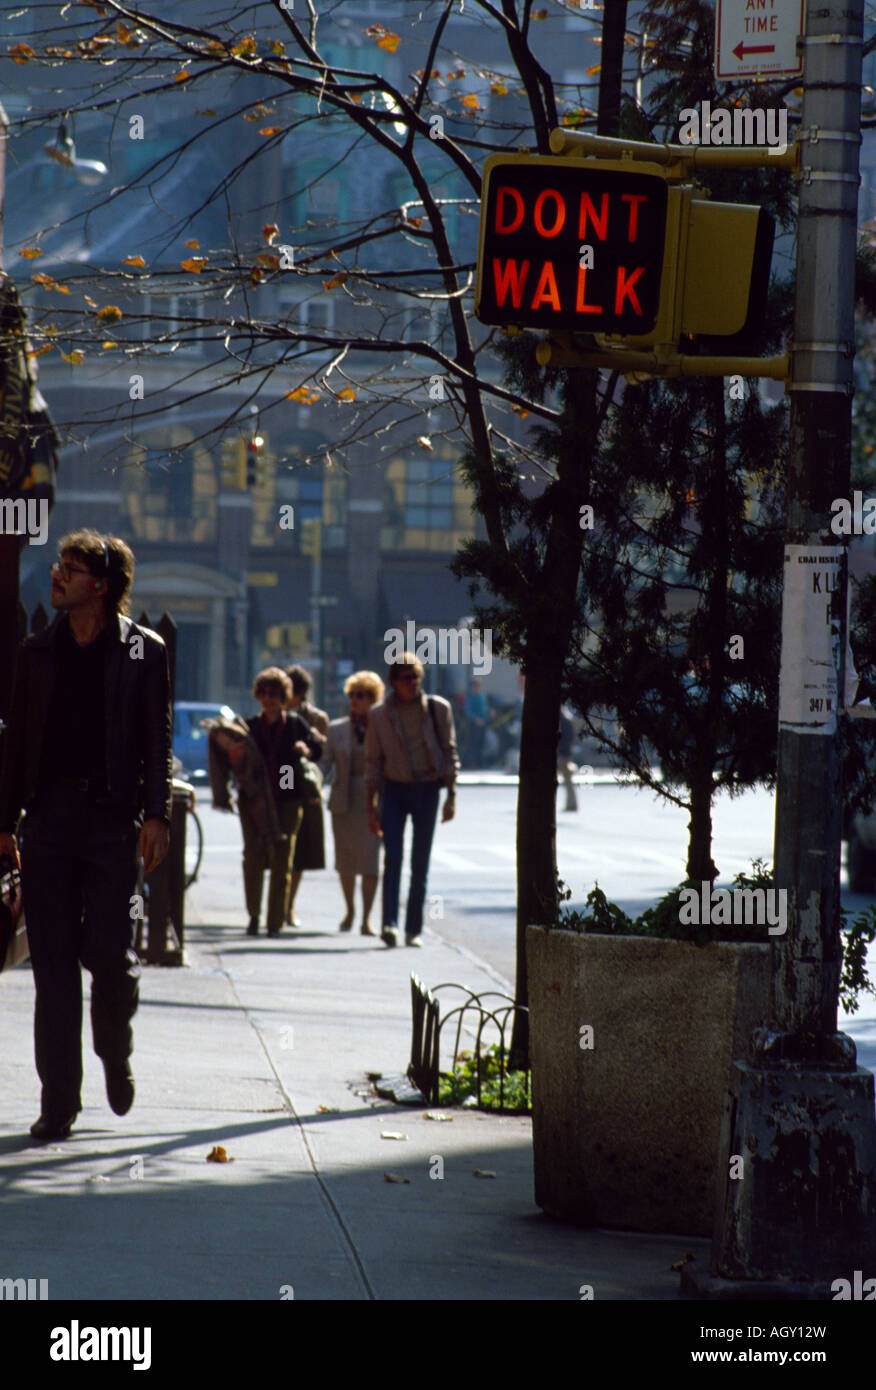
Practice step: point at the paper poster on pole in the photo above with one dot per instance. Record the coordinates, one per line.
(811, 631)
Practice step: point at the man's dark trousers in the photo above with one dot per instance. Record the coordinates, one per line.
(79, 872)
(419, 800)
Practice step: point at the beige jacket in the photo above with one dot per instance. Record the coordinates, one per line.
(386, 753)
(336, 757)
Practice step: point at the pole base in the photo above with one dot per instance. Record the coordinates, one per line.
(797, 1193)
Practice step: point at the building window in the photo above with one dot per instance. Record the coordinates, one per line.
(426, 505)
(170, 494)
(170, 323)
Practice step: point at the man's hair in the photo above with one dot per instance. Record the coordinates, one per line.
(270, 676)
(108, 558)
(301, 680)
(406, 662)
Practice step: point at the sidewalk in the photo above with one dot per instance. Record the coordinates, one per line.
(263, 1046)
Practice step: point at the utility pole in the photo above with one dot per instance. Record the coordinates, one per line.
(800, 1112)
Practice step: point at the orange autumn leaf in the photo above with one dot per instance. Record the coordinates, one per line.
(414, 221)
(181, 76)
(195, 264)
(218, 1155)
(539, 14)
(107, 344)
(270, 130)
(270, 231)
(425, 442)
(30, 253)
(90, 301)
(519, 410)
(277, 48)
(74, 357)
(256, 274)
(110, 313)
(194, 244)
(303, 394)
(348, 394)
(385, 39)
(591, 72)
(499, 89)
(339, 279)
(38, 352)
(245, 49)
(470, 102)
(268, 261)
(21, 53)
(135, 260)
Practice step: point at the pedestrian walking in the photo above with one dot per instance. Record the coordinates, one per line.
(410, 753)
(87, 754)
(477, 710)
(357, 848)
(283, 740)
(565, 765)
(310, 841)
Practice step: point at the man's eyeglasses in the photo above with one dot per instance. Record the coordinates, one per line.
(66, 570)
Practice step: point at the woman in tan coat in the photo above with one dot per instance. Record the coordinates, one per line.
(357, 850)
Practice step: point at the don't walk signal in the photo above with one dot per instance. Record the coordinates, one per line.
(629, 250)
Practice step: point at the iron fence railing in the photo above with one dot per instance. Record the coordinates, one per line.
(424, 1069)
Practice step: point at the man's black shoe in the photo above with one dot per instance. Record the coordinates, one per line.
(253, 928)
(274, 931)
(46, 1128)
(119, 1086)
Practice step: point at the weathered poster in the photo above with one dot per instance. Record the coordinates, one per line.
(811, 634)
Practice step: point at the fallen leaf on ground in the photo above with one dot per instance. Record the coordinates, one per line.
(218, 1155)
(483, 1173)
(438, 1115)
(392, 1134)
(327, 1109)
(680, 1264)
(391, 1177)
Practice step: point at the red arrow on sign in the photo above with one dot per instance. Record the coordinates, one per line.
(740, 50)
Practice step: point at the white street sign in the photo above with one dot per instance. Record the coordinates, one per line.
(758, 38)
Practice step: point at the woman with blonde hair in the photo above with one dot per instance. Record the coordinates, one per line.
(357, 850)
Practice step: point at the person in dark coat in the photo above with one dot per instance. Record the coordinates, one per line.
(283, 739)
(87, 754)
(310, 840)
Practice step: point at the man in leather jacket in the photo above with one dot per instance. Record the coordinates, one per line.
(87, 755)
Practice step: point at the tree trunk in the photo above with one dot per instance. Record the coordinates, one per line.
(699, 851)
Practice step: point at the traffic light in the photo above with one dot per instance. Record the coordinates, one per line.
(311, 537)
(234, 464)
(621, 249)
(256, 461)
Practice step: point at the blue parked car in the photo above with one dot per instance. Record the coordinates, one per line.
(190, 740)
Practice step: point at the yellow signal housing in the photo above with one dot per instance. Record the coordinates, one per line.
(234, 464)
(311, 537)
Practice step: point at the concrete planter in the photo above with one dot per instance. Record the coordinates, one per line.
(626, 1132)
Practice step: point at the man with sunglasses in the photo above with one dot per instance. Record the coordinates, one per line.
(87, 754)
(410, 753)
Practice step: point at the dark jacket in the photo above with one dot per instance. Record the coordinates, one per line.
(139, 721)
(250, 771)
(294, 730)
